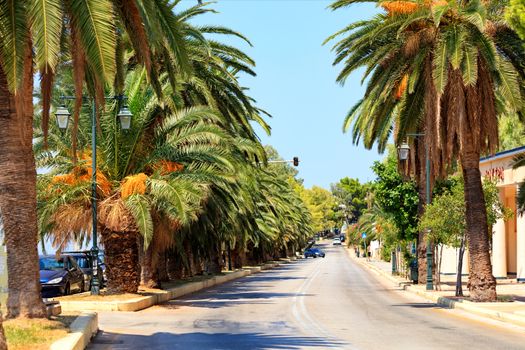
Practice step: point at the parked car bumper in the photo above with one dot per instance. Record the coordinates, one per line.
(52, 290)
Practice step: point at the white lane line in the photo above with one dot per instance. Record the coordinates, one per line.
(304, 319)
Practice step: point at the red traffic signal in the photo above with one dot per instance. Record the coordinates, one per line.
(295, 161)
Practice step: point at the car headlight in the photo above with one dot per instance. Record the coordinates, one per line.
(55, 280)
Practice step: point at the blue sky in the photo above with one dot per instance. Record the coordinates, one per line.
(296, 82)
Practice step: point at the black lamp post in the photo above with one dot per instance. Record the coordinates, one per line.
(62, 115)
(403, 151)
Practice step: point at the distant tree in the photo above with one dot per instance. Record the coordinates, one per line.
(351, 193)
(511, 132)
(515, 15)
(321, 204)
(396, 197)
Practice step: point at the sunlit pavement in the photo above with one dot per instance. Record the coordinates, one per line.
(329, 303)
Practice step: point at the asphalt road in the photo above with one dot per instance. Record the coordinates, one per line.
(330, 303)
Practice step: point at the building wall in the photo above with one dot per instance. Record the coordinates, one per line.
(507, 258)
(450, 261)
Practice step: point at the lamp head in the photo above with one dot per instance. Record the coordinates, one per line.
(62, 115)
(403, 150)
(124, 116)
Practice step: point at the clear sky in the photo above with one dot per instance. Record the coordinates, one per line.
(296, 82)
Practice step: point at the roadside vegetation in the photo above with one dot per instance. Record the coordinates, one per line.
(186, 191)
(445, 71)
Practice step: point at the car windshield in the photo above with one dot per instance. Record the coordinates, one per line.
(51, 264)
(82, 262)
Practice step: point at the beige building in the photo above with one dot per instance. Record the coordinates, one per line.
(508, 238)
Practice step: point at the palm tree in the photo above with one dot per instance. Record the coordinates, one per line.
(152, 177)
(84, 34)
(446, 68)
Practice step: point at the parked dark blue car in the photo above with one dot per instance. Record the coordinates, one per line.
(313, 253)
(60, 276)
(84, 260)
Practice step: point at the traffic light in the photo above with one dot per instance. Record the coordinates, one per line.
(295, 161)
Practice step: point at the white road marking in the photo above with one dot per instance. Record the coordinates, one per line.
(303, 318)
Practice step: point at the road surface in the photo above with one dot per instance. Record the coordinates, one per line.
(330, 303)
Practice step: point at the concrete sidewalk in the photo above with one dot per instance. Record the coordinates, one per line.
(511, 309)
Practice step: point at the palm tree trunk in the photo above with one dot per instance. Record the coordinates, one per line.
(175, 265)
(3, 344)
(122, 261)
(237, 257)
(162, 267)
(482, 284)
(459, 282)
(148, 265)
(18, 205)
(214, 264)
(422, 236)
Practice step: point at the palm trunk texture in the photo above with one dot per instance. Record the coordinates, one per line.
(3, 344)
(148, 264)
(122, 261)
(422, 193)
(18, 207)
(482, 284)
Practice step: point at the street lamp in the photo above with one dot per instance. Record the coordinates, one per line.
(403, 151)
(62, 114)
(124, 116)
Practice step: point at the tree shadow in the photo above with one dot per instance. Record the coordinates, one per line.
(219, 300)
(215, 341)
(419, 305)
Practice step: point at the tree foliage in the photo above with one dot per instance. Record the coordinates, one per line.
(351, 193)
(515, 14)
(397, 197)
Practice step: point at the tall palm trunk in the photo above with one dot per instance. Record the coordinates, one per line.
(18, 205)
(422, 235)
(122, 261)
(3, 344)
(214, 263)
(175, 265)
(482, 284)
(237, 256)
(162, 267)
(148, 266)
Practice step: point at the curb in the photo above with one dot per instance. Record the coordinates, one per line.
(144, 302)
(445, 302)
(82, 330)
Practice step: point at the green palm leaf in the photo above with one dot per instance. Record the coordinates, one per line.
(95, 24)
(46, 24)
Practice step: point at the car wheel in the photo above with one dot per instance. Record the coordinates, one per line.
(67, 289)
(315, 256)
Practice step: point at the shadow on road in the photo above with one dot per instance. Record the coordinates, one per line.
(419, 305)
(216, 341)
(225, 299)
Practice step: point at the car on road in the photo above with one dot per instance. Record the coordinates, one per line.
(84, 260)
(313, 253)
(60, 275)
(336, 241)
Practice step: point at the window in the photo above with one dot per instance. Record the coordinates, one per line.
(51, 264)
